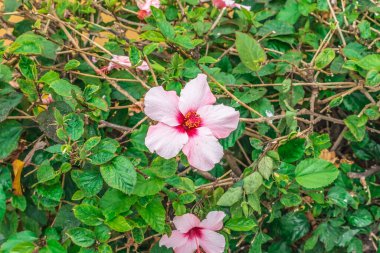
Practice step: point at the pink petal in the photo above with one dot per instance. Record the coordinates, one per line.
(177, 239)
(162, 105)
(220, 119)
(212, 242)
(213, 221)
(189, 247)
(203, 150)
(147, 4)
(196, 93)
(186, 222)
(167, 141)
(248, 8)
(120, 61)
(144, 66)
(220, 4)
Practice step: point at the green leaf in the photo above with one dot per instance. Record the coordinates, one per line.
(24, 239)
(149, 186)
(154, 214)
(165, 27)
(115, 202)
(45, 172)
(266, 167)
(119, 174)
(72, 64)
(8, 101)
(291, 199)
(356, 125)
(293, 150)
(18, 202)
(134, 55)
(360, 218)
(370, 62)
(119, 224)
(324, 58)
(91, 143)
(250, 51)
(10, 132)
(207, 59)
(53, 246)
(28, 87)
(30, 43)
(74, 126)
(373, 78)
(89, 181)
(102, 233)
(163, 168)
(49, 77)
(5, 73)
(81, 236)
(182, 183)
(3, 203)
(63, 87)
(252, 182)
(28, 68)
(88, 214)
(230, 197)
(241, 224)
(315, 173)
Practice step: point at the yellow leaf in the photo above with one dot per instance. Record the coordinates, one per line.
(18, 166)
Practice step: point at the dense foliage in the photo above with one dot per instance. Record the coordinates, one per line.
(298, 174)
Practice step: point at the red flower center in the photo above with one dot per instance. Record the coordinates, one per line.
(191, 120)
(194, 233)
(141, 14)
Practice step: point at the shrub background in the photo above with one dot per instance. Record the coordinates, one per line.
(299, 173)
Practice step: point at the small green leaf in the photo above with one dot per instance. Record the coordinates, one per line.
(163, 168)
(10, 132)
(45, 172)
(241, 224)
(266, 167)
(250, 52)
(154, 214)
(72, 64)
(252, 182)
(81, 236)
(315, 173)
(356, 125)
(119, 174)
(230, 197)
(88, 214)
(119, 224)
(291, 199)
(324, 58)
(74, 126)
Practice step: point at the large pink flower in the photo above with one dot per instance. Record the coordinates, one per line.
(192, 234)
(144, 7)
(190, 123)
(220, 4)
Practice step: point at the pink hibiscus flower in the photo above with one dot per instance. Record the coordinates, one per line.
(220, 4)
(144, 7)
(120, 62)
(190, 123)
(191, 234)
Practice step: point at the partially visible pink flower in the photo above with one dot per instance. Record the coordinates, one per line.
(193, 234)
(47, 99)
(144, 7)
(220, 4)
(120, 62)
(190, 123)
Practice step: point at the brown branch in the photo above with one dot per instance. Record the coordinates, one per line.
(373, 170)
